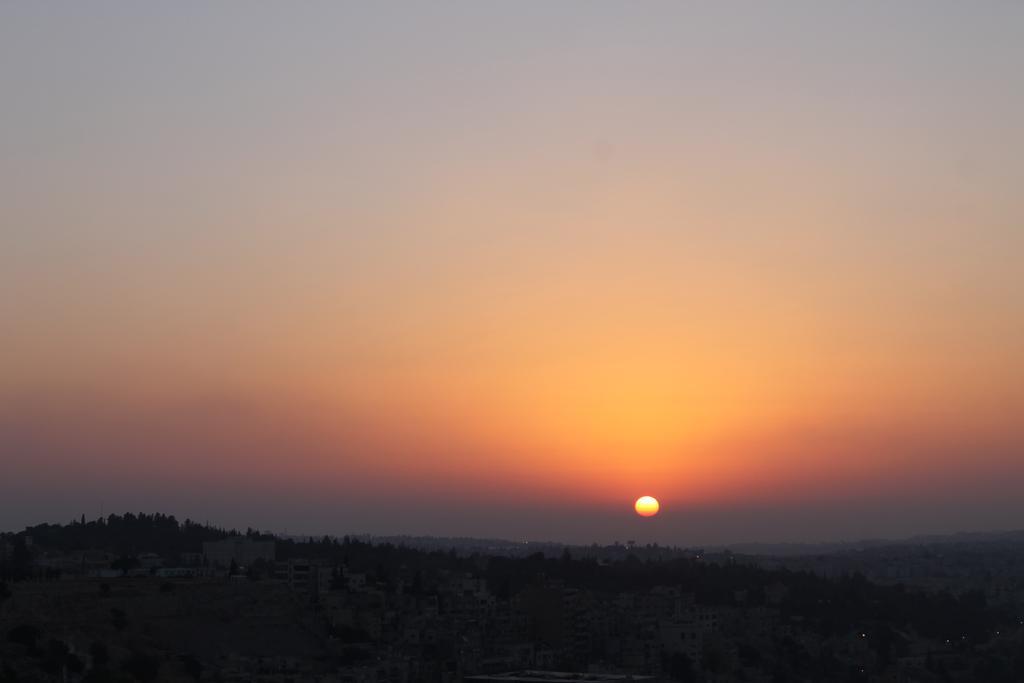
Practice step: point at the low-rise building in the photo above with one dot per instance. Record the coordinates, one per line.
(243, 551)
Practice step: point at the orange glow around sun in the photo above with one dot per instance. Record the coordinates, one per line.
(646, 506)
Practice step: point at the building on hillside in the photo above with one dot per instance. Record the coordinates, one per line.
(150, 561)
(244, 551)
(177, 573)
(191, 559)
(298, 573)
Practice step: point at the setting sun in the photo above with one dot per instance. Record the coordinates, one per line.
(646, 506)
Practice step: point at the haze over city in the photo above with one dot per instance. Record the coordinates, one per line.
(498, 270)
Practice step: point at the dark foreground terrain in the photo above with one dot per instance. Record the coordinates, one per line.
(146, 598)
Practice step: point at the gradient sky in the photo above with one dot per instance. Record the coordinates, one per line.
(497, 269)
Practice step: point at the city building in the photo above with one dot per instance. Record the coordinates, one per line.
(244, 551)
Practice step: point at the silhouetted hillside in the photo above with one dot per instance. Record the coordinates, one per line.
(332, 606)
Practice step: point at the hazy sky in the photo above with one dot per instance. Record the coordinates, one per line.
(500, 268)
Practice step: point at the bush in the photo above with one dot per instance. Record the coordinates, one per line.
(193, 667)
(142, 667)
(119, 619)
(100, 655)
(24, 634)
(55, 656)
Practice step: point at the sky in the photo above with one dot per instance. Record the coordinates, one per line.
(498, 269)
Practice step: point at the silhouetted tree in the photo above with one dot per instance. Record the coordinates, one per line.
(118, 619)
(680, 668)
(24, 634)
(193, 667)
(142, 667)
(54, 656)
(99, 655)
(20, 566)
(125, 564)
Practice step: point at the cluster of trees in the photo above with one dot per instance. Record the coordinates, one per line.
(125, 535)
(51, 655)
(15, 558)
(43, 656)
(826, 607)
(831, 606)
(51, 658)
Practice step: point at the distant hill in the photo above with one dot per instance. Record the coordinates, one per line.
(828, 548)
(130, 533)
(509, 548)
